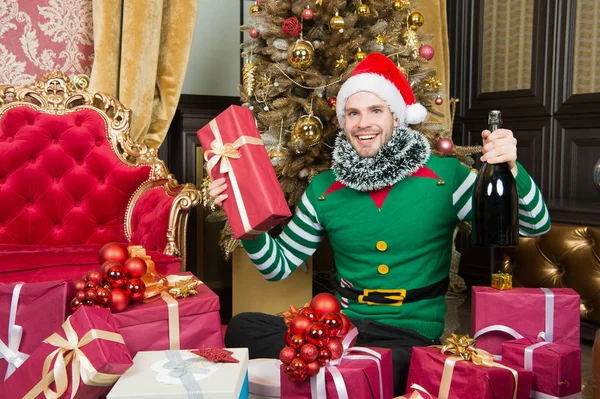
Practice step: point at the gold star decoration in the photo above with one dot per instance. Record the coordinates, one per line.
(341, 63)
(380, 39)
(433, 82)
(184, 288)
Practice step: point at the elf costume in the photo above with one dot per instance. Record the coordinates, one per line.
(390, 218)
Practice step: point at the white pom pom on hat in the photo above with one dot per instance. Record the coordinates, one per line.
(377, 74)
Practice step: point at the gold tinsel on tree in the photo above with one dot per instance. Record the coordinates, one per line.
(298, 55)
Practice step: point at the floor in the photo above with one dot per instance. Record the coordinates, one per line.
(458, 320)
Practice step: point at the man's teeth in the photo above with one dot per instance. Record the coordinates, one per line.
(369, 137)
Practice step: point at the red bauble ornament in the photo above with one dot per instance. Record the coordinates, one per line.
(94, 276)
(117, 300)
(102, 295)
(346, 324)
(75, 304)
(298, 368)
(80, 296)
(299, 324)
(445, 146)
(287, 354)
(107, 265)
(136, 289)
(317, 334)
(307, 13)
(115, 276)
(325, 303)
(91, 294)
(79, 285)
(335, 347)
(90, 285)
(253, 33)
(297, 341)
(324, 356)
(309, 352)
(288, 336)
(332, 101)
(87, 302)
(291, 27)
(114, 251)
(312, 368)
(135, 267)
(439, 100)
(310, 313)
(426, 51)
(333, 323)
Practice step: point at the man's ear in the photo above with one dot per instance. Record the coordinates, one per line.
(396, 122)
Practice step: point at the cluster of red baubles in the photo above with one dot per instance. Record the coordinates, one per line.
(314, 338)
(115, 284)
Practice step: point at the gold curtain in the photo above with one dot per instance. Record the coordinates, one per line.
(141, 54)
(586, 69)
(434, 13)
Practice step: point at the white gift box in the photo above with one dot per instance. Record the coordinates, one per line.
(182, 375)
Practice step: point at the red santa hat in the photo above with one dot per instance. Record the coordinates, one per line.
(378, 74)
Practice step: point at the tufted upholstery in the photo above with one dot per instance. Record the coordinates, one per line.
(60, 182)
(566, 256)
(71, 180)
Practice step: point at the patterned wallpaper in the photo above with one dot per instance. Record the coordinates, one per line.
(41, 35)
(507, 45)
(586, 71)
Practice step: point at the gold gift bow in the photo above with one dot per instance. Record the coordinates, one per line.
(463, 348)
(416, 393)
(222, 152)
(69, 351)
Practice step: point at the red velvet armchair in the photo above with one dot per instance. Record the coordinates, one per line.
(72, 180)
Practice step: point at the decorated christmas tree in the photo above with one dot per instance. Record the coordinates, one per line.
(298, 55)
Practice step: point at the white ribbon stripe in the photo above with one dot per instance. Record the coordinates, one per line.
(15, 332)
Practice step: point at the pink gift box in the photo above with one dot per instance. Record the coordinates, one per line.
(467, 380)
(101, 361)
(528, 312)
(361, 377)
(255, 201)
(146, 326)
(556, 368)
(40, 309)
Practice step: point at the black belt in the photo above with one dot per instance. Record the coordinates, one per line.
(392, 297)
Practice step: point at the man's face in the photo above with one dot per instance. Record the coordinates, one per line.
(369, 123)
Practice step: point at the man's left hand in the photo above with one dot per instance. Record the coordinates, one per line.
(500, 146)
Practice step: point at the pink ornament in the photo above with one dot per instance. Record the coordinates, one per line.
(439, 100)
(307, 13)
(253, 33)
(445, 146)
(426, 52)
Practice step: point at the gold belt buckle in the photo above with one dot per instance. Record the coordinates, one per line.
(390, 294)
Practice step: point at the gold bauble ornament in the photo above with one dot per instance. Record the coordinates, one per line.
(363, 10)
(337, 22)
(254, 8)
(360, 55)
(277, 153)
(249, 77)
(411, 38)
(398, 5)
(415, 20)
(308, 129)
(301, 54)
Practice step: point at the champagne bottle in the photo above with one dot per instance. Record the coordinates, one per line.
(495, 201)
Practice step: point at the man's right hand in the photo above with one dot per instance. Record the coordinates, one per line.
(215, 188)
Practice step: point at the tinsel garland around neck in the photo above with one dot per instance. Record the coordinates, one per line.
(405, 152)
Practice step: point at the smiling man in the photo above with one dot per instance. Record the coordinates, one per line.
(389, 208)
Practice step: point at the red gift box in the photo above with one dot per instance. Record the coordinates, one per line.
(550, 314)
(358, 372)
(449, 377)
(86, 355)
(556, 368)
(28, 314)
(234, 150)
(168, 323)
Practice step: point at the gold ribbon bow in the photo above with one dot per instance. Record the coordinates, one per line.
(69, 352)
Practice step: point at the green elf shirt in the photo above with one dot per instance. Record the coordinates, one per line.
(390, 236)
